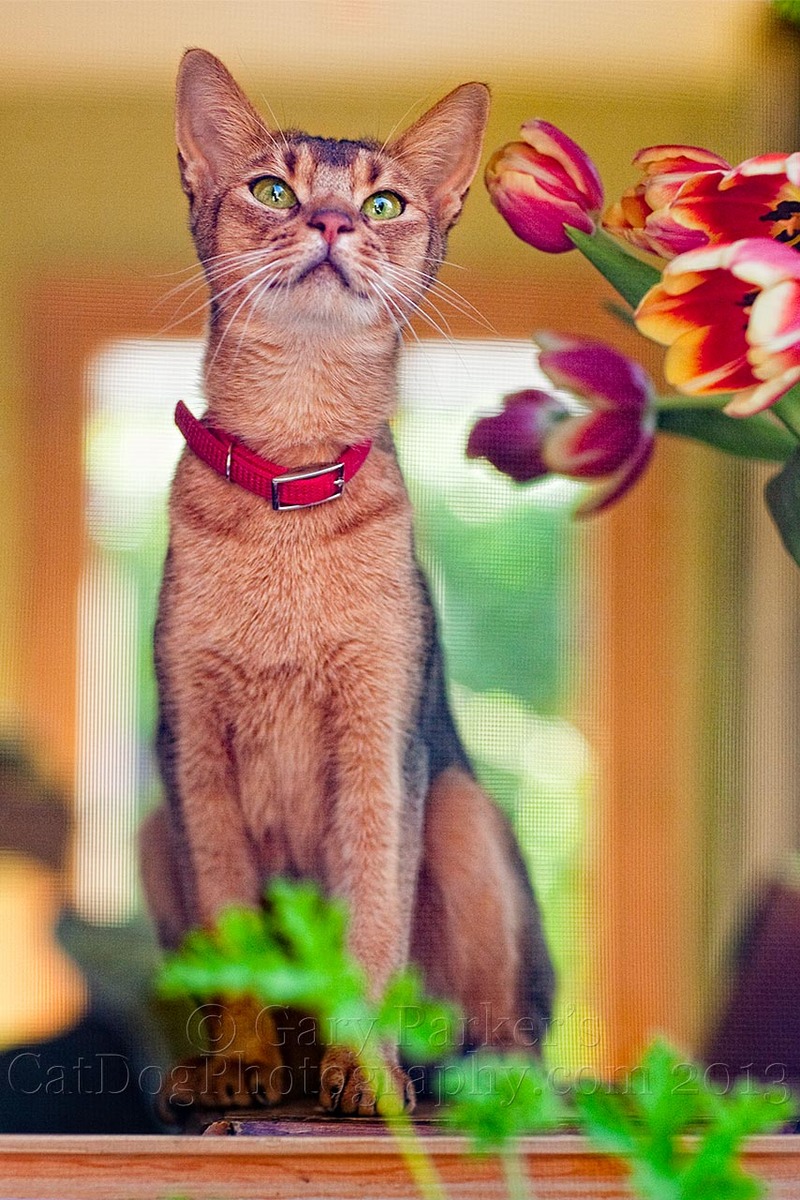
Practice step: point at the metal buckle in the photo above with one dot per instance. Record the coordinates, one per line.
(338, 483)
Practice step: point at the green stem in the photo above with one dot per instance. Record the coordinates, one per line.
(787, 409)
(409, 1146)
(629, 275)
(668, 403)
(419, 1163)
(515, 1174)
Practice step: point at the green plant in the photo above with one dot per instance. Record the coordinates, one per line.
(294, 952)
(646, 1125)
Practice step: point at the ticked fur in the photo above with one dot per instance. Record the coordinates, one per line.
(304, 720)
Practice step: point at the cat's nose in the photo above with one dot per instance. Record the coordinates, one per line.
(331, 222)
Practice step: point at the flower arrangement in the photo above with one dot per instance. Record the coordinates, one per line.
(719, 288)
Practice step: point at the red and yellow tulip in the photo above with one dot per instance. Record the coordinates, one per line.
(730, 315)
(758, 198)
(644, 215)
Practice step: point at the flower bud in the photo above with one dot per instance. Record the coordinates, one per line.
(543, 183)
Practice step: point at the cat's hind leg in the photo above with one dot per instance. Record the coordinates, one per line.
(477, 931)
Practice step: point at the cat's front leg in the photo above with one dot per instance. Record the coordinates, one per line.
(242, 1064)
(221, 858)
(367, 863)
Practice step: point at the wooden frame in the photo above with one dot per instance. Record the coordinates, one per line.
(325, 1167)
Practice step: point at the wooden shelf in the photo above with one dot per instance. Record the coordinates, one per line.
(312, 1166)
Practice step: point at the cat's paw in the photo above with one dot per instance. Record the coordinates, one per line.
(221, 1081)
(346, 1088)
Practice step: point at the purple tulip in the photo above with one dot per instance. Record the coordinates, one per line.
(608, 445)
(543, 183)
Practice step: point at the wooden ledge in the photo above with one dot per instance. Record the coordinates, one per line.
(322, 1167)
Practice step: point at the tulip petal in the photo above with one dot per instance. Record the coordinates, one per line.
(667, 238)
(643, 217)
(516, 166)
(756, 399)
(684, 301)
(663, 160)
(548, 140)
(596, 372)
(761, 262)
(729, 207)
(759, 165)
(585, 447)
(775, 318)
(512, 439)
(543, 183)
(539, 221)
(709, 361)
(609, 490)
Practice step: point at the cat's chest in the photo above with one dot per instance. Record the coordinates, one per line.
(289, 589)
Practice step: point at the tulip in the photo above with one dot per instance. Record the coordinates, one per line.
(644, 216)
(543, 183)
(607, 445)
(730, 315)
(758, 198)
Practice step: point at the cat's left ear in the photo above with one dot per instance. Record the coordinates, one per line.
(443, 148)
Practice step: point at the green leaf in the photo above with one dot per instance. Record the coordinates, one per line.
(670, 1099)
(424, 1029)
(628, 275)
(782, 494)
(293, 951)
(619, 311)
(499, 1097)
(607, 1119)
(746, 437)
(788, 10)
(645, 1126)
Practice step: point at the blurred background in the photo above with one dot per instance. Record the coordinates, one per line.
(627, 688)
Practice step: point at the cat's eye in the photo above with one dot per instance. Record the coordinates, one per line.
(273, 192)
(383, 206)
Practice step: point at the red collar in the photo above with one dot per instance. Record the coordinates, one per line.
(285, 489)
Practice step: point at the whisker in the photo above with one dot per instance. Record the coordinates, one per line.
(205, 276)
(395, 314)
(447, 295)
(414, 104)
(401, 120)
(229, 254)
(415, 306)
(270, 266)
(425, 317)
(277, 126)
(231, 289)
(270, 134)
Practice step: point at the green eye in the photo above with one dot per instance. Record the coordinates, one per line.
(383, 206)
(273, 192)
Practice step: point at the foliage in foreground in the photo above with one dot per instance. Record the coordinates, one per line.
(294, 953)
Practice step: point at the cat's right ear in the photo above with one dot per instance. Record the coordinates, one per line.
(215, 123)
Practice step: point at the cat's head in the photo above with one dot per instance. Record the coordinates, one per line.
(302, 231)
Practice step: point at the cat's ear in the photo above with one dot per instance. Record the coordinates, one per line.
(443, 148)
(215, 123)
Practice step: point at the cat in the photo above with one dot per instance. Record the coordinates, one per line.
(305, 729)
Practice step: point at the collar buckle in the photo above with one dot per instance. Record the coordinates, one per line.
(336, 470)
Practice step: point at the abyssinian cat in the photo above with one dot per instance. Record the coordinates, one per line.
(305, 727)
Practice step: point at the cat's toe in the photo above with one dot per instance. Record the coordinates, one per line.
(217, 1082)
(350, 1090)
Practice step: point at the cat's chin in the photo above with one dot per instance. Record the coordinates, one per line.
(328, 306)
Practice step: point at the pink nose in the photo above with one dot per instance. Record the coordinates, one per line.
(331, 222)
